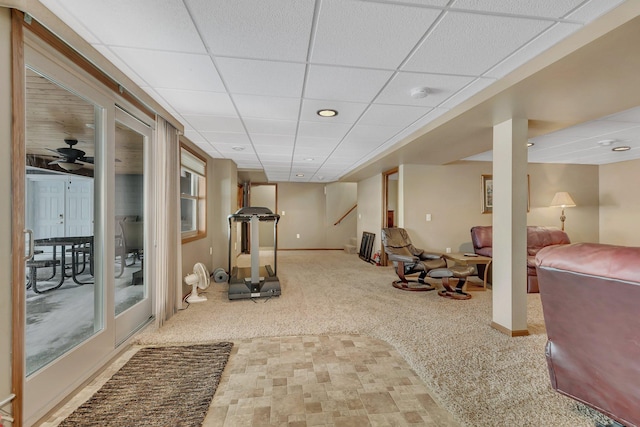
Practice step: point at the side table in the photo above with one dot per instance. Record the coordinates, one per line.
(466, 259)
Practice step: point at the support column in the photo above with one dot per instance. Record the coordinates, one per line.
(510, 195)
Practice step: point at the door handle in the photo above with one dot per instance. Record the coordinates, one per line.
(31, 243)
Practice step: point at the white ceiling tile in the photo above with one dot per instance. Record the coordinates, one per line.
(323, 130)
(197, 102)
(271, 127)
(594, 8)
(467, 92)
(632, 115)
(209, 149)
(113, 22)
(70, 18)
(547, 9)
(230, 28)
(267, 78)
(230, 148)
(348, 112)
(203, 123)
(314, 146)
(267, 107)
(438, 3)
(235, 138)
(538, 45)
(368, 34)
(440, 88)
(371, 135)
(392, 115)
(194, 136)
(344, 84)
(171, 70)
(121, 65)
(273, 140)
(470, 44)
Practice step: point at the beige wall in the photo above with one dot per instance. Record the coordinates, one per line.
(370, 209)
(454, 201)
(620, 203)
(340, 197)
(264, 196)
(5, 207)
(311, 213)
(221, 201)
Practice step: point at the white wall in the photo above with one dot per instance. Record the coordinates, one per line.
(5, 207)
(619, 203)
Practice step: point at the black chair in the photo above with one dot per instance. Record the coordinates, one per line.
(408, 260)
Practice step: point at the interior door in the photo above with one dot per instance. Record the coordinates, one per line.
(46, 206)
(79, 207)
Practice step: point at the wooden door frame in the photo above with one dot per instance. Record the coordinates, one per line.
(18, 162)
(385, 205)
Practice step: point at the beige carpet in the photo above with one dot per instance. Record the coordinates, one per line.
(483, 377)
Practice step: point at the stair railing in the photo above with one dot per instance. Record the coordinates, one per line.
(345, 215)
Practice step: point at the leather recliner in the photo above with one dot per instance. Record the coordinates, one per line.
(590, 297)
(408, 260)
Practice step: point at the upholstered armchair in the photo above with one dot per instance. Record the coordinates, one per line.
(408, 260)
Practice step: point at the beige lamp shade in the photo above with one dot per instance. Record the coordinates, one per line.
(562, 199)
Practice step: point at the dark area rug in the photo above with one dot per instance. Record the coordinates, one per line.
(158, 386)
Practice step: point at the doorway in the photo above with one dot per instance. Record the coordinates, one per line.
(389, 204)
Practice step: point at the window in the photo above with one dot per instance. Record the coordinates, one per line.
(192, 195)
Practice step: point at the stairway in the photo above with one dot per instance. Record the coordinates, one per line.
(351, 247)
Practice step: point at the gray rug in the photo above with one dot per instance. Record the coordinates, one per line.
(158, 386)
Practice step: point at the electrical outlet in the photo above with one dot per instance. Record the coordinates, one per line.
(210, 251)
(298, 236)
(282, 213)
(448, 250)
(428, 217)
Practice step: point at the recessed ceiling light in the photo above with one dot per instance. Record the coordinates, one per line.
(299, 175)
(621, 148)
(238, 148)
(321, 178)
(419, 92)
(530, 144)
(327, 113)
(606, 142)
(309, 159)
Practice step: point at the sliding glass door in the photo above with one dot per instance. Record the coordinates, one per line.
(86, 208)
(132, 291)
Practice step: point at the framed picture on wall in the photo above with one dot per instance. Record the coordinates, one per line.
(487, 194)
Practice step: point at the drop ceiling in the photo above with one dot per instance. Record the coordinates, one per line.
(247, 77)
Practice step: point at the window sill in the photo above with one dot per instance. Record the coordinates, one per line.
(192, 238)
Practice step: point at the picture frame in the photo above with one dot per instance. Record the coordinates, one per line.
(487, 193)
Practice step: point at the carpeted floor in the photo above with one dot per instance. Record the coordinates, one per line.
(158, 386)
(483, 377)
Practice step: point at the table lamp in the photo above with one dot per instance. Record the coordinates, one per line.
(562, 199)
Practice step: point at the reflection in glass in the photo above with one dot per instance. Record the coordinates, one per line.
(129, 220)
(62, 292)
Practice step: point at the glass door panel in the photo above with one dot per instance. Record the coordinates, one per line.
(132, 295)
(63, 296)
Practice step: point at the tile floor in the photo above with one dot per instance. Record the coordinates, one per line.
(341, 380)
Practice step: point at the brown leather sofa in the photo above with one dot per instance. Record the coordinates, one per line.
(537, 238)
(590, 297)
